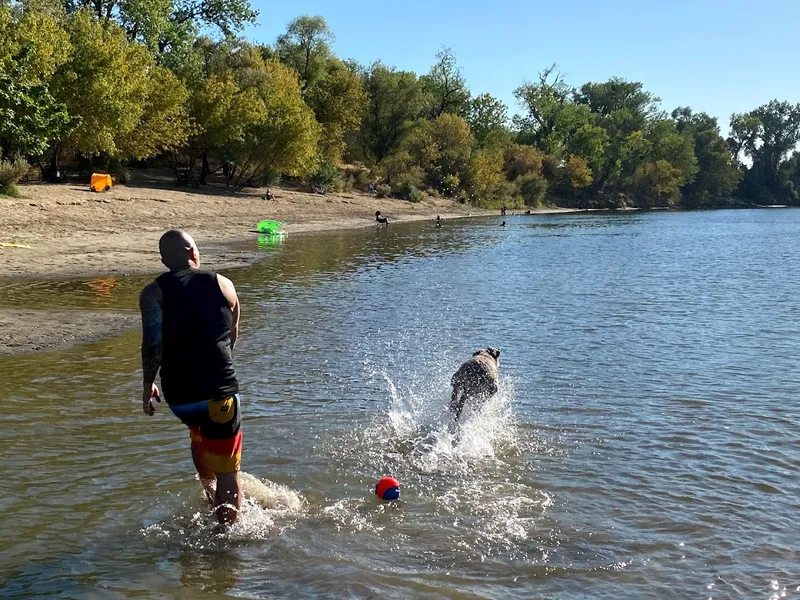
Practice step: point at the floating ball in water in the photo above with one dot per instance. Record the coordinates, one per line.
(388, 488)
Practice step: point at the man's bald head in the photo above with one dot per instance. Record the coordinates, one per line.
(178, 250)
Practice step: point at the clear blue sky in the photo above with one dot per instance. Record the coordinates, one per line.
(715, 56)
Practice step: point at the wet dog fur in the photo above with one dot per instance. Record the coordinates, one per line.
(475, 381)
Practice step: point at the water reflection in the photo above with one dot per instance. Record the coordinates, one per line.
(643, 440)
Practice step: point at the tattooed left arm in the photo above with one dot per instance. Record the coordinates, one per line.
(152, 320)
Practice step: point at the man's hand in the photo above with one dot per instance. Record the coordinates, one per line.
(150, 392)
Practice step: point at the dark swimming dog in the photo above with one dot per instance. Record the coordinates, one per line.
(476, 380)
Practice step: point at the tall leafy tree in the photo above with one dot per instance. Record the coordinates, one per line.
(33, 43)
(623, 109)
(656, 184)
(766, 136)
(284, 139)
(717, 174)
(306, 47)
(550, 114)
(488, 118)
(338, 100)
(396, 99)
(168, 26)
(126, 106)
(446, 87)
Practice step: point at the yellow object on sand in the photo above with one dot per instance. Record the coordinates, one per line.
(101, 182)
(10, 245)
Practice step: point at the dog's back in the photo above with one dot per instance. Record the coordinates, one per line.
(476, 379)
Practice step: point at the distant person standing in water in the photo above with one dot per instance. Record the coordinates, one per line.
(190, 324)
(438, 222)
(380, 219)
(503, 211)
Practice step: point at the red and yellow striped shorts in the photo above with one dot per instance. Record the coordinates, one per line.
(213, 456)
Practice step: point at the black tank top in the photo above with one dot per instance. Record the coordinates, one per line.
(196, 360)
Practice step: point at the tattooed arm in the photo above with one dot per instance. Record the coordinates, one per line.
(152, 319)
(226, 285)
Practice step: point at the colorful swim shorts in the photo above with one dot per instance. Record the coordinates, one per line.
(215, 431)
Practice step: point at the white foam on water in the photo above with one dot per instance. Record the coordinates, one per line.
(420, 418)
(466, 468)
(267, 509)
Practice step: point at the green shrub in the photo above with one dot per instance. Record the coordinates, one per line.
(10, 173)
(532, 187)
(407, 191)
(415, 195)
(327, 178)
(450, 185)
(10, 190)
(272, 178)
(122, 174)
(383, 190)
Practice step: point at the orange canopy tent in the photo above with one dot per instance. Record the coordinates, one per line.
(101, 182)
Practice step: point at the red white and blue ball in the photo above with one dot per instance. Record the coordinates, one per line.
(388, 488)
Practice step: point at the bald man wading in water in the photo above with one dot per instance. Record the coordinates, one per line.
(190, 323)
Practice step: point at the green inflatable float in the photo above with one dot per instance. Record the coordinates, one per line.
(271, 234)
(269, 227)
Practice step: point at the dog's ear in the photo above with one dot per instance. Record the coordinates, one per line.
(477, 352)
(493, 352)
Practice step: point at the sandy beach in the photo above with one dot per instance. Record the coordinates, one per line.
(63, 231)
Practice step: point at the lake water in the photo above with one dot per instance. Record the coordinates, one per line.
(645, 442)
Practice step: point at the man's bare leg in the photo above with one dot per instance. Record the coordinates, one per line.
(207, 481)
(228, 500)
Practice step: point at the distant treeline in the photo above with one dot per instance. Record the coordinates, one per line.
(123, 81)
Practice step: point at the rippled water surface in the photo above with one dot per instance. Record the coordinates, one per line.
(645, 443)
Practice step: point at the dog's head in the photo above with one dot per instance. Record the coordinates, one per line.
(493, 352)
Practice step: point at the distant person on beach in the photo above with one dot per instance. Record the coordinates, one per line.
(381, 220)
(438, 222)
(503, 211)
(190, 324)
(372, 190)
(269, 195)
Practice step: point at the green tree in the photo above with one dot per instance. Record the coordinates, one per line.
(306, 47)
(623, 109)
(395, 100)
(519, 160)
(488, 117)
(674, 146)
(284, 140)
(484, 181)
(578, 172)
(656, 184)
(445, 86)
(589, 141)
(623, 106)
(532, 187)
(222, 113)
(550, 114)
(125, 105)
(454, 142)
(338, 101)
(169, 25)
(717, 175)
(32, 45)
(767, 135)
